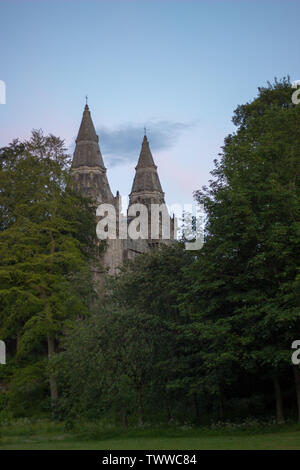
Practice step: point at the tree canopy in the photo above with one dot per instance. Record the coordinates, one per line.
(46, 245)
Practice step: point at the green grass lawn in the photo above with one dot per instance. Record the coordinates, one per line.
(287, 441)
(52, 436)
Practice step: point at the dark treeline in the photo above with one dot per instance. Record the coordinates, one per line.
(190, 336)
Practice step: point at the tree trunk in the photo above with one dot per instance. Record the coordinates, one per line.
(50, 339)
(297, 384)
(221, 407)
(278, 397)
(196, 405)
(140, 406)
(18, 342)
(52, 378)
(124, 418)
(166, 405)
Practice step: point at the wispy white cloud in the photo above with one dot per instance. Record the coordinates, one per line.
(122, 145)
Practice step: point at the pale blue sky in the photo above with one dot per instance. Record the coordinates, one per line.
(179, 67)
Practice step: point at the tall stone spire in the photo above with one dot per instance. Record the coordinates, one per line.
(88, 170)
(147, 190)
(146, 186)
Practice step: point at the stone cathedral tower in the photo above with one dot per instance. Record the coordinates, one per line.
(89, 174)
(88, 169)
(146, 189)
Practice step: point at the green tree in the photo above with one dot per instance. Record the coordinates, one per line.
(126, 357)
(151, 284)
(244, 287)
(108, 363)
(46, 246)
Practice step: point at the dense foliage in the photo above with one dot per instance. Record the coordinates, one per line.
(177, 335)
(46, 244)
(226, 315)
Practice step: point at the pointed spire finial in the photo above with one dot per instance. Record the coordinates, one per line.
(146, 178)
(145, 131)
(86, 99)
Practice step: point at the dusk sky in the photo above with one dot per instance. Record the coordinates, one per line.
(178, 67)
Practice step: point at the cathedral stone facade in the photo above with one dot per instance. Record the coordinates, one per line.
(89, 173)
